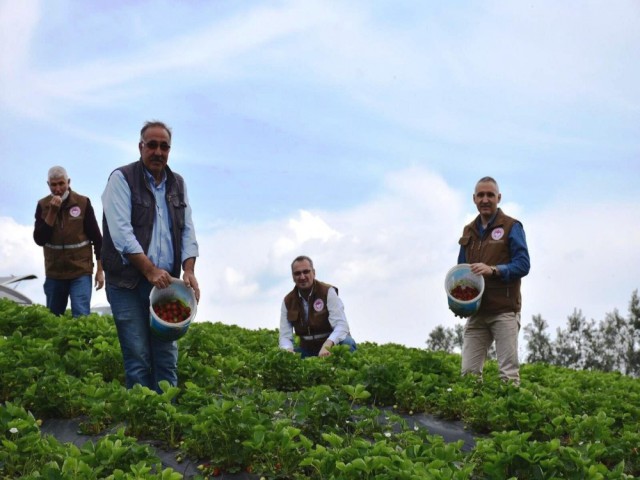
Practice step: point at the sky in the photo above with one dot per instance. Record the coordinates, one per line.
(352, 132)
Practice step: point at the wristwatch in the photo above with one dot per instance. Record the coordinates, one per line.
(494, 272)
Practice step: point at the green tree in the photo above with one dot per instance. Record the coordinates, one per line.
(539, 344)
(632, 353)
(569, 348)
(446, 339)
(441, 339)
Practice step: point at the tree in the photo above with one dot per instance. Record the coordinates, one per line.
(446, 339)
(458, 336)
(441, 339)
(611, 344)
(632, 354)
(569, 348)
(538, 341)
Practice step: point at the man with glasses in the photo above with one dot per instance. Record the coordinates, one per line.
(149, 239)
(314, 312)
(66, 228)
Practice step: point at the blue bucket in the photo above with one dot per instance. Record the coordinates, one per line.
(177, 290)
(461, 275)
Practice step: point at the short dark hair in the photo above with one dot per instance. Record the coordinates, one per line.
(302, 258)
(154, 123)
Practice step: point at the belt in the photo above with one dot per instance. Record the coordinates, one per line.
(315, 337)
(65, 247)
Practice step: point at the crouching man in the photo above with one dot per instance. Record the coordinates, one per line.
(314, 312)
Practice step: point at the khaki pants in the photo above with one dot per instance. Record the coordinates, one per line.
(480, 331)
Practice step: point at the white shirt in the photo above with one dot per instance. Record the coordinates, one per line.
(337, 319)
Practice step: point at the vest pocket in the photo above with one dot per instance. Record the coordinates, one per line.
(140, 210)
(178, 205)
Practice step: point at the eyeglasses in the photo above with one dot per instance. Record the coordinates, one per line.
(153, 145)
(301, 272)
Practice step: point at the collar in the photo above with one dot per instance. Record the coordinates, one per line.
(151, 179)
(310, 291)
(489, 223)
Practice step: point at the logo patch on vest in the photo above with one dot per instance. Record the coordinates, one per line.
(318, 305)
(75, 211)
(497, 234)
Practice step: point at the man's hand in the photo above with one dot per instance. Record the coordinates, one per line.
(99, 280)
(56, 201)
(190, 280)
(481, 269)
(324, 351)
(158, 277)
(54, 208)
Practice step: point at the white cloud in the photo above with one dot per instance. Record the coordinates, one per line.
(388, 258)
(435, 86)
(392, 253)
(18, 21)
(237, 285)
(583, 258)
(311, 227)
(19, 255)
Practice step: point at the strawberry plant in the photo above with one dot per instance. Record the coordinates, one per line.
(243, 404)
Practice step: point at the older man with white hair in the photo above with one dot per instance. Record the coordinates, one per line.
(66, 228)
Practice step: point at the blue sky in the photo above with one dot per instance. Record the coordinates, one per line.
(352, 132)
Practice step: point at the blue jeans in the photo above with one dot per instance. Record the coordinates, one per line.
(147, 359)
(349, 341)
(58, 293)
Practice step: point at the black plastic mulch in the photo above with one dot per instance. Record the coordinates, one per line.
(68, 431)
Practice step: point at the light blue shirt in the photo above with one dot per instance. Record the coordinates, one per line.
(116, 204)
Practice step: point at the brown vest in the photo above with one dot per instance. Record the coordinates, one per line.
(493, 249)
(68, 254)
(318, 322)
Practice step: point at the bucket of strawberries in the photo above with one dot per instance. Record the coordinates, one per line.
(464, 290)
(172, 309)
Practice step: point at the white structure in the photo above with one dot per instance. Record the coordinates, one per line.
(7, 292)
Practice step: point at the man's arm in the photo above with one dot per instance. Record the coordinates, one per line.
(189, 251)
(42, 231)
(189, 242)
(520, 263)
(92, 231)
(286, 330)
(338, 321)
(189, 276)
(462, 256)
(116, 204)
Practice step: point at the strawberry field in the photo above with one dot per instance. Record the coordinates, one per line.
(243, 405)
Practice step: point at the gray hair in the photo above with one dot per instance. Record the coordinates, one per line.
(488, 180)
(154, 123)
(57, 172)
(302, 258)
